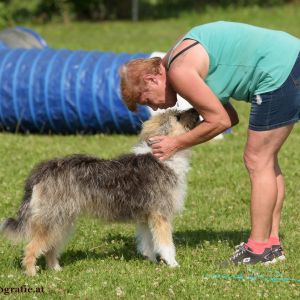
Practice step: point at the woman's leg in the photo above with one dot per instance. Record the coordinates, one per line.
(266, 183)
(279, 202)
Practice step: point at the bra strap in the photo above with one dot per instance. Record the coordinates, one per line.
(180, 52)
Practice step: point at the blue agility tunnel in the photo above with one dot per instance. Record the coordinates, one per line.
(61, 91)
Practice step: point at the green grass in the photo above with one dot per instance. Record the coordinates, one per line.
(100, 261)
(149, 36)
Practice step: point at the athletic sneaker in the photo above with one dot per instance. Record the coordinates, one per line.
(276, 249)
(245, 255)
(278, 252)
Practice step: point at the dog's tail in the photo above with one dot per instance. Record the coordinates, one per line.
(16, 230)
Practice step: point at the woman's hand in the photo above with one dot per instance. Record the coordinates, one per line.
(164, 146)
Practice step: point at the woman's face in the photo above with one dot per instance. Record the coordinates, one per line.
(157, 93)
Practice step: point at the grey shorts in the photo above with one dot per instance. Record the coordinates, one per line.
(277, 108)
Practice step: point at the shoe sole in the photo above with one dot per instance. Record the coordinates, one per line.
(275, 260)
(280, 258)
(270, 262)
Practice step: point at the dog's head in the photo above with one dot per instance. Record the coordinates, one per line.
(171, 122)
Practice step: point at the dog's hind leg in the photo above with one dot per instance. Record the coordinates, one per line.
(161, 230)
(38, 245)
(52, 259)
(59, 238)
(144, 241)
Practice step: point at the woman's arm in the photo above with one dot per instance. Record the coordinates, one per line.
(216, 117)
(187, 82)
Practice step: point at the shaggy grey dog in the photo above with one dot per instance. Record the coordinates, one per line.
(135, 187)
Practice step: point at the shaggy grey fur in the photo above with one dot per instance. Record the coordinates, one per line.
(135, 187)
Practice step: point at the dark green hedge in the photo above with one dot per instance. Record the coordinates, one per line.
(12, 11)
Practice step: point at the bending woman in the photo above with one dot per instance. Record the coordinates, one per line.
(209, 65)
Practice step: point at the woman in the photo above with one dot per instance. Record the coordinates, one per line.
(207, 66)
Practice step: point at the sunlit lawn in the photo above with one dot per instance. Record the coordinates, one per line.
(100, 261)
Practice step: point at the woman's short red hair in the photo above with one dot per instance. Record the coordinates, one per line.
(132, 74)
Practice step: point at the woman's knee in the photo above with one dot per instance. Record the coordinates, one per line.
(257, 162)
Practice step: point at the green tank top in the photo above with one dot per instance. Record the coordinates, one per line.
(245, 60)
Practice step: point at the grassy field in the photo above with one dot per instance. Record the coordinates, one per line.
(100, 261)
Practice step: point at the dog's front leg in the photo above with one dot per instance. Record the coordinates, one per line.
(144, 241)
(161, 230)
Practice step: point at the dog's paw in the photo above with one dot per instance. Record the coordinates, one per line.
(32, 271)
(173, 264)
(149, 256)
(57, 268)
